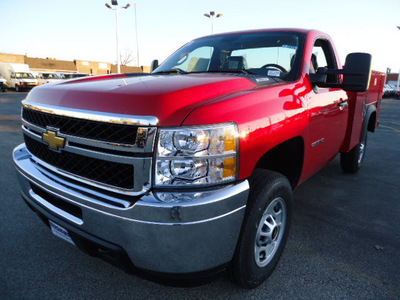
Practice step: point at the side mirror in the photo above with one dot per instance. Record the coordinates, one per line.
(154, 65)
(357, 72)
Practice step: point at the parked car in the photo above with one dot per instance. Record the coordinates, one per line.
(74, 75)
(48, 77)
(389, 91)
(3, 84)
(189, 170)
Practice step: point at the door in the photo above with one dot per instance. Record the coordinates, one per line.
(13, 80)
(328, 111)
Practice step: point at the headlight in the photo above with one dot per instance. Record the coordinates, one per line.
(196, 155)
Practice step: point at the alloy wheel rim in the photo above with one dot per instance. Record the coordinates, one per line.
(270, 232)
(361, 153)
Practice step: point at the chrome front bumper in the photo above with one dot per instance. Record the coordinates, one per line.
(168, 237)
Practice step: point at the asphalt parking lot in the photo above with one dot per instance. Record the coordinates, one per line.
(344, 242)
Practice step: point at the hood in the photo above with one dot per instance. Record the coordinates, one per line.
(51, 80)
(27, 79)
(170, 98)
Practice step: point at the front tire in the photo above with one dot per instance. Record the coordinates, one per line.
(265, 228)
(17, 88)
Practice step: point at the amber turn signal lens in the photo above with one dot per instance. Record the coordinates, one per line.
(229, 167)
(230, 139)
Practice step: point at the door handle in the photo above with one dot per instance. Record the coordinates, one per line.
(343, 104)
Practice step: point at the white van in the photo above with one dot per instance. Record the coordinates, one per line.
(3, 84)
(47, 77)
(18, 76)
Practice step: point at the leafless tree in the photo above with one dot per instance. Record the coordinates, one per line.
(126, 57)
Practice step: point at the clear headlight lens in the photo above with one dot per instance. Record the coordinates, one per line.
(196, 155)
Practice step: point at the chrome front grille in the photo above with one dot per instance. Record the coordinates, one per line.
(111, 152)
(101, 171)
(102, 131)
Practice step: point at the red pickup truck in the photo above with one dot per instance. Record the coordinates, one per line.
(189, 170)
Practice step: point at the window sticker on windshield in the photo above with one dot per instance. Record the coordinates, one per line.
(289, 46)
(274, 73)
(262, 79)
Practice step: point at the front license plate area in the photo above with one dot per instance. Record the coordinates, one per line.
(61, 232)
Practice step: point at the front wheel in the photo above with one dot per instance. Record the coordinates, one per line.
(265, 228)
(351, 161)
(17, 88)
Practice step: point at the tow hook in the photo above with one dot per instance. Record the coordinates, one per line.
(176, 213)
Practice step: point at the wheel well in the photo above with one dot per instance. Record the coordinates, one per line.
(286, 158)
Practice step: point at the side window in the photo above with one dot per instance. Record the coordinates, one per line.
(323, 56)
(318, 59)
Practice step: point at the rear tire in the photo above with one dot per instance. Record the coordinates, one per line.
(265, 228)
(17, 88)
(351, 161)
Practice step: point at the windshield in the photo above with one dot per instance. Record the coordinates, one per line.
(272, 54)
(75, 75)
(79, 75)
(51, 76)
(24, 75)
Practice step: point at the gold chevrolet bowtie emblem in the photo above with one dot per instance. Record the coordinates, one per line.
(55, 142)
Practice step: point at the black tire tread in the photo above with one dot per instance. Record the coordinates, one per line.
(261, 182)
(349, 160)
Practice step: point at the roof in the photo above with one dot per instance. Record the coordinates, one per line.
(299, 30)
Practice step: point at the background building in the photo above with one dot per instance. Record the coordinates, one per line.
(392, 78)
(65, 66)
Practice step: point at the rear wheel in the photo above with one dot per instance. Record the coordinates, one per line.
(351, 161)
(17, 88)
(265, 228)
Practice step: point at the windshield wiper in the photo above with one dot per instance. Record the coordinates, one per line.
(172, 71)
(180, 71)
(244, 71)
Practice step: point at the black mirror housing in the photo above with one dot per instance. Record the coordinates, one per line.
(154, 65)
(357, 72)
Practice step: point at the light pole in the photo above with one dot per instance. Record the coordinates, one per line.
(137, 41)
(212, 16)
(116, 7)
